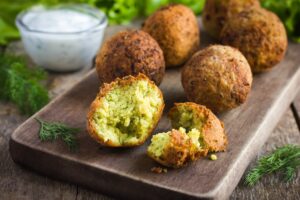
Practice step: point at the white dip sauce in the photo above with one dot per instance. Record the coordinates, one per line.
(63, 21)
(61, 39)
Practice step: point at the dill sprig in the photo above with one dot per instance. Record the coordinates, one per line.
(21, 85)
(51, 131)
(285, 159)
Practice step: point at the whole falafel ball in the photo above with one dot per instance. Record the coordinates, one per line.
(125, 112)
(176, 30)
(129, 53)
(217, 12)
(218, 77)
(259, 35)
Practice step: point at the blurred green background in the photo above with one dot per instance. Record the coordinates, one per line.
(124, 11)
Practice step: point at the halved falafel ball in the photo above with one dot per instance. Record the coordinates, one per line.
(259, 35)
(176, 30)
(129, 53)
(125, 112)
(218, 77)
(191, 116)
(217, 12)
(175, 148)
(170, 149)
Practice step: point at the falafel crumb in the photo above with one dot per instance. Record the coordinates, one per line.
(213, 157)
(159, 170)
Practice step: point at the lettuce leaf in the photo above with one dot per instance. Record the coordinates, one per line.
(289, 12)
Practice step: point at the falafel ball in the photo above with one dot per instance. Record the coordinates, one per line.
(176, 30)
(259, 35)
(129, 53)
(217, 12)
(192, 117)
(218, 77)
(125, 112)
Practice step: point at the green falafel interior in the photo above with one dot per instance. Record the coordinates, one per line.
(191, 116)
(161, 144)
(158, 143)
(196, 131)
(128, 113)
(186, 119)
(195, 136)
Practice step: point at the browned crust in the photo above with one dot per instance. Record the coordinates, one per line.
(213, 132)
(176, 153)
(218, 77)
(216, 13)
(128, 53)
(176, 30)
(104, 89)
(259, 35)
(196, 154)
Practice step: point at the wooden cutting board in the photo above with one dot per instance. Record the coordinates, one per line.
(126, 173)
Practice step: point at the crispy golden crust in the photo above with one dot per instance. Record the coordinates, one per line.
(129, 53)
(259, 35)
(104, 89)
(216, 13)
(176, 153)
(212, 130)
(218, 77)
(176, 30)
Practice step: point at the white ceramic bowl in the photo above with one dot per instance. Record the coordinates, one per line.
(61, 50)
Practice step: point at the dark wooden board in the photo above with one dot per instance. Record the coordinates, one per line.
(126, 173)
(296, 109)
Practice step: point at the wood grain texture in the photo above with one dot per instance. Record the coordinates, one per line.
(296, 109)
(15, 183)
(272, 186)
(35, 186)
(110, 171)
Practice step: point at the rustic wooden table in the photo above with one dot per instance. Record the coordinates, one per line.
(19, 183)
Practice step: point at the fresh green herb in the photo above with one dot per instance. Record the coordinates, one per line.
(21, 85)
(118, 11)
(51, 131)
(289, 13)
(196, 5)
(9, 10)
(150, 6)
(7, 32)
(285, 159)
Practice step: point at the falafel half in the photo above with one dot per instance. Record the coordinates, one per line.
(175, 148)
(216, 13)
(196, 131)
(176, 30)
(191, 116)
(128, 53)
(218, 77)
(259, 35)
(170, 149)
(125, 112)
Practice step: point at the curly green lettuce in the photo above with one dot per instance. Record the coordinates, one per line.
(289, 12)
